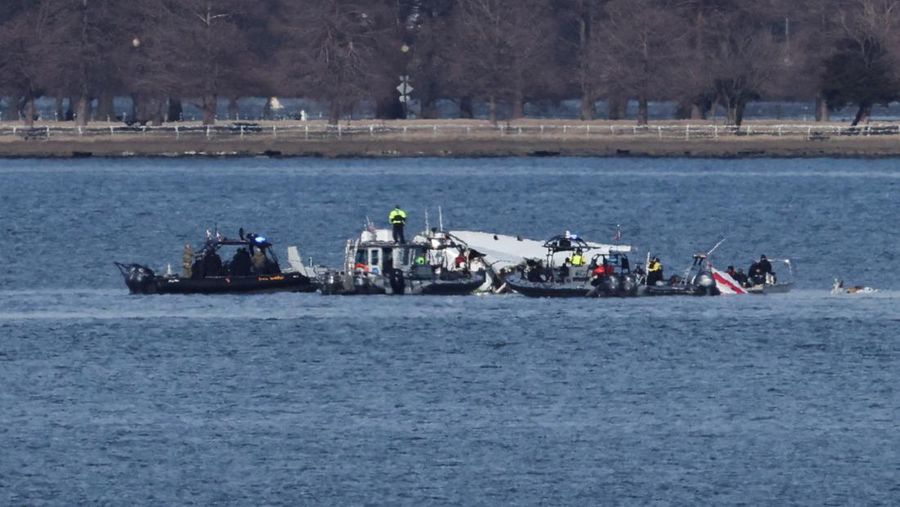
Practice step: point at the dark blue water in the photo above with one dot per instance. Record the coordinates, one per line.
(303, 399)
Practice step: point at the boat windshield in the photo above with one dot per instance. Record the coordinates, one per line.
(415, 254)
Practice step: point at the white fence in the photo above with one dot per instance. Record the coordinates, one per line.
(313, 131)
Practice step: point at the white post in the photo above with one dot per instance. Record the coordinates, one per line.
(659, 130)
(404, 131)
(808, 133)
(48, 132)
(371, 130)
(274, 131)
(242, 131)
(177, 133)
(588, 132)
(468, 129)
(779, 131)
(80, 131)
(112, 130)
(715, 131)
(306, 134)
(434, 131)
(207, 131)
(542, 130)
(687, 132)
(340, 131)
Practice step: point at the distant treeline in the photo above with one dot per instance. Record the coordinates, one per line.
(700, 54)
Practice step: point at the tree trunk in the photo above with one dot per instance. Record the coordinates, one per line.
(210, 103)
(334, 111)
(267, 109)
(862, 114)
(643, 116)
(822, 113)
(739, 113)
(158, 116)
(428, 100)
(466, 109)
(234, 109)
(105, 109)
(175, 110)
(617, 107)
(29, 111)
(82, 110)
(518, 106)
(587, 105)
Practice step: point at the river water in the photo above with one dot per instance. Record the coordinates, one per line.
(305, 399)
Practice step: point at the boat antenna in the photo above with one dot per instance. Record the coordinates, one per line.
(427, 225)
(440, 219)
(715, 247)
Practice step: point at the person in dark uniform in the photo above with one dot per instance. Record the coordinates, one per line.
(240, 263)
(741, 277)
(765, 266)
(397, 218)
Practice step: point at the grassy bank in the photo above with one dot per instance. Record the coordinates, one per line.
(451, 138)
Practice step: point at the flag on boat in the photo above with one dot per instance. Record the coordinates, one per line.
(725, 283)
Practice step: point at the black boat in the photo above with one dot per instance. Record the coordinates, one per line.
(252, 268)
(697, 280)
(608, 274)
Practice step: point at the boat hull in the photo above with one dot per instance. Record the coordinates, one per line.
(618, 286)
(142, 280)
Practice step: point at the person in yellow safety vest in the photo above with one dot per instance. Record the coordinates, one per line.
(397, 218)
(654, 271)
(577, 259)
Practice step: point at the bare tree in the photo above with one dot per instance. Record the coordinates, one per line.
(330, 50)
(864, 69)
(25, 42)
(641, 50)
(499, 51)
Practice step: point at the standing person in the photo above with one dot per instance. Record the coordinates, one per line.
(578, 258)
(765, 266)
(654, 272)
(397, 218)
(259, 261)
(187, 261)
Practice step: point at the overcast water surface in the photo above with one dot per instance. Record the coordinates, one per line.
(303, 399)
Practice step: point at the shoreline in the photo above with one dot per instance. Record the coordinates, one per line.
(453, 139)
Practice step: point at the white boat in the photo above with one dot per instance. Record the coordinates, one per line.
(430, 264)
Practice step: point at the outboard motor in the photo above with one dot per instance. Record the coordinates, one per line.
(629, 285)
(706, 285)
(611, 285)
(398, 283)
